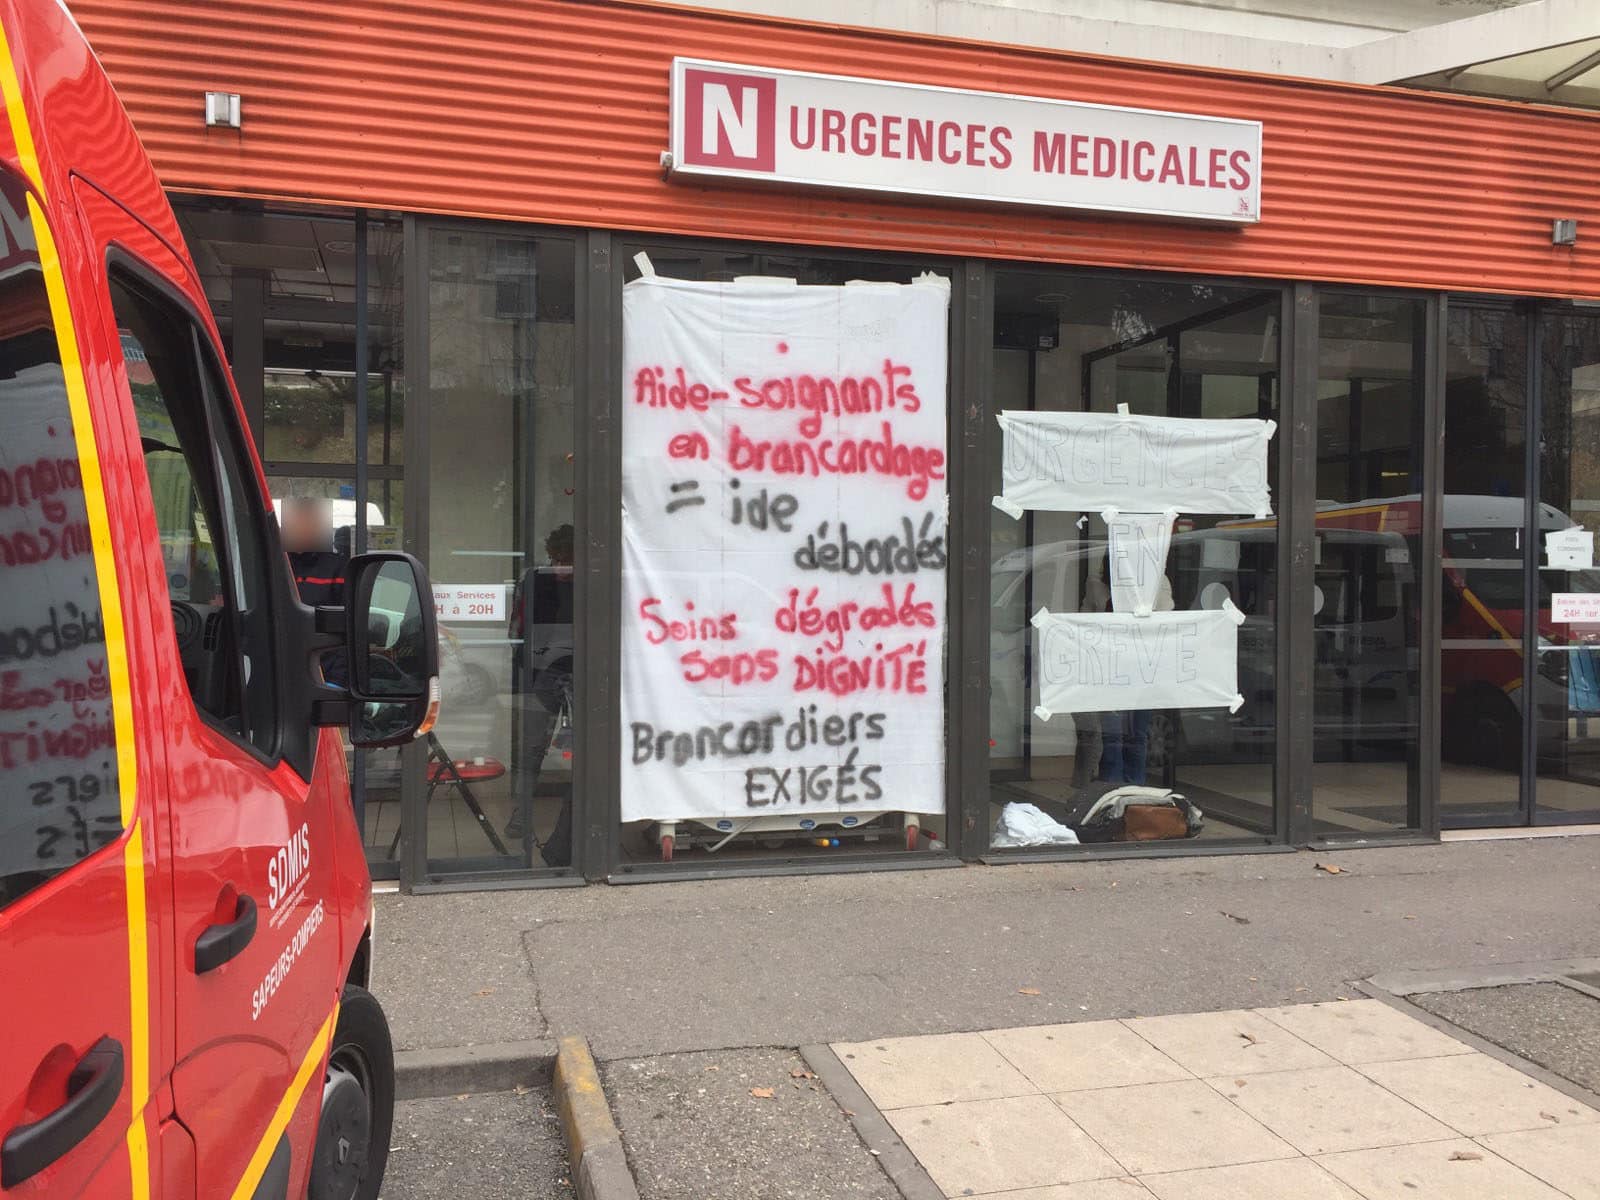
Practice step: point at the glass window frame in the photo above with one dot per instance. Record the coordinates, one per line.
(1427, 584)
(966, 289)
(600, 261)
(977, 549)
(226, 436)
(416, 874)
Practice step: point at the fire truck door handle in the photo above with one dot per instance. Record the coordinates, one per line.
(92, 1090)
(219, 943)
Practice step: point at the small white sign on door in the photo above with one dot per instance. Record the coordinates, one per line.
(469, 601)
(1569, 549)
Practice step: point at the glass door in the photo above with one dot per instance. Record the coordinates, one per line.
(1566, 732)
(497, 771)
(284, 286)
(1520, 622)
(1486, 563)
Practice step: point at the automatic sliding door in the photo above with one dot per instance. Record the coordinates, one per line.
(1567, 726)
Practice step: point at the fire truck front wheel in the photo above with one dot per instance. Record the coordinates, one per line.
(357, 1104)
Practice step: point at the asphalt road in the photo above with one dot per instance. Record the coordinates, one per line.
(703, 1127)
(496, 1146)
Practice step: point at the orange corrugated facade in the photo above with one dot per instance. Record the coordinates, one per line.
(555, 111)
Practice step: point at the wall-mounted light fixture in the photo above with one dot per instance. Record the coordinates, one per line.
(222, 108)
(1563, 232)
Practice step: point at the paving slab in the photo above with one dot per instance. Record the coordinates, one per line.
(1160, 1127)
(1364, 1031)
(1475, 1094)
(492, 1146)
(1092, 1054)
(939, 1069)
(1564, 1158)
(1325, 1110)
(1546, 1023)
(1280, 1179)
(978, 1146)
(1272, 1128)
(1458, 1170)
(695, 1129)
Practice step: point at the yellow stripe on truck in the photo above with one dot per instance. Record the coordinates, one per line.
(94, 498)
(309, 1066)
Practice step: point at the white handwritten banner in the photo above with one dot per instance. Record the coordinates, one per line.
(1088, 461)
(783, 624)
(1136, 556)
(1113, 662)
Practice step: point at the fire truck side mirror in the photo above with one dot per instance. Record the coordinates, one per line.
(392, 642)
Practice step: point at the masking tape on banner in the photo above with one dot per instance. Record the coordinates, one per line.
(1010, 507)
(1233, 611)
(1237, 703)
(1039, 618)
(1043, 713)
(646, 267)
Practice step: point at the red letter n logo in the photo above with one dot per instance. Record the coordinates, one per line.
(729, 120)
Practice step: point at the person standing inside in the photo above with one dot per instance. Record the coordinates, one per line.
(319, 565)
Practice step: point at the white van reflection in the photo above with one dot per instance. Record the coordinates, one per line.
(1366, 634)
(1365, 656)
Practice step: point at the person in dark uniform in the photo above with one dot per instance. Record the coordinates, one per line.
(318, 563)
(308, 537)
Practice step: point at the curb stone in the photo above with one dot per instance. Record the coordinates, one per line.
(486, 1067)
(594, 1145)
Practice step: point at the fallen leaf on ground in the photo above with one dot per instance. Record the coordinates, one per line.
(801, 1073)
(1238, 1083)
(1465, 1156)
(762, 1093)
(1330, 868)
(484, 992)
(1236, 918)
(1250, 1038)
(713, 1067)
(1544, 1116)
(1027, 991)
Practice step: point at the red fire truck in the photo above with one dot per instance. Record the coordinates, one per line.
(185, 908)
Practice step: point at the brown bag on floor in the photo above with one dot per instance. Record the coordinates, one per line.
(1153, 822)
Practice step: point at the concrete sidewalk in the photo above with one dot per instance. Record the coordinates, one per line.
(695, 995)
(649, 969)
